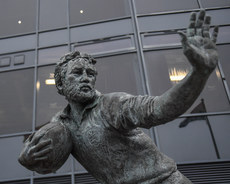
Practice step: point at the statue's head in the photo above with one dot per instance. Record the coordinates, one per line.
(75, 76)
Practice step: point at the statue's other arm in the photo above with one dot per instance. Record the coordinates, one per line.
(200, 49)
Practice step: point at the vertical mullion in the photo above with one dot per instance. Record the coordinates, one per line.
(139, 48)
(68, 24)
(35, 77)
(140, 54)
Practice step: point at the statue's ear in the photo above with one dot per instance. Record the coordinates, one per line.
(59, 86)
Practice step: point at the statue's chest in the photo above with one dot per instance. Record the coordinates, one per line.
(89, 136)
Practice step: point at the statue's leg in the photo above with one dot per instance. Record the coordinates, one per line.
(177, 178)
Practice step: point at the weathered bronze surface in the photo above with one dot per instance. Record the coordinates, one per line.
(102, 130)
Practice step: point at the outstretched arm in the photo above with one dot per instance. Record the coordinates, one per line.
(200, 49)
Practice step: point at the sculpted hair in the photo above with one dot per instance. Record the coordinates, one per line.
(61, 66)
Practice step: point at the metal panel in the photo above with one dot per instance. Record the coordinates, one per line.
(18, 60)
(101, 30)
(112, 45)
(16, 182)
(53, 180)
(16, 44)
(85, 179)
(53, 38)
(203, 173)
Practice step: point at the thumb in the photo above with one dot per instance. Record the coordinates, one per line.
(184, 41)
(183, 37)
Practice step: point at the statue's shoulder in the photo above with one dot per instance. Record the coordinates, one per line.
(115, 96)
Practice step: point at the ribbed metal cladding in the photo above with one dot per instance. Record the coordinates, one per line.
(85, 179)
(16, 182)
(207, 173)
(53, 180)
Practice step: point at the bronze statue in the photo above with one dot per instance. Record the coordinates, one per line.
(101, 130)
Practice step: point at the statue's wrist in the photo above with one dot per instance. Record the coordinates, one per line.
(202, 72)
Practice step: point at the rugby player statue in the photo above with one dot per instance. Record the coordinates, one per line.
(102, 130)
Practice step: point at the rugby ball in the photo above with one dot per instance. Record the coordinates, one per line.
(61, 145)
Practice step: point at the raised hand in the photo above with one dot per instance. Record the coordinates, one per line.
(35, 151)
(199, 47)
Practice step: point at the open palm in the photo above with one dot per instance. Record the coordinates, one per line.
(199, 47)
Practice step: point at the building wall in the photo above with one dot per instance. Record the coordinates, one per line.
(138, 52)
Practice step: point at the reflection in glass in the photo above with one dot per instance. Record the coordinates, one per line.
(150, 6)
(190, 143)
(10, 150)
(165, 66)
(118, 74)
(84, 11)
(176, 75)
(16, 97)
(49, 102)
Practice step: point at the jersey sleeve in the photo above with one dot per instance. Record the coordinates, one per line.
(127, 112)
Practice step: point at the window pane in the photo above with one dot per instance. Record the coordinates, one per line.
(51, 55)
(16, 97)
(167, 67)
(150, 6)
(10, 150)
(214, 3)
(49, 102)
(118, 74)
(224, 55)
(15, 19)
(53, 14)
(221, 128)
(83, 11)
(190, 143)
(224, 35)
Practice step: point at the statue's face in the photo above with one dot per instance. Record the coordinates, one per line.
(79, 81)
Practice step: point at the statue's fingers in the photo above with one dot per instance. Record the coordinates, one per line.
(41, 158)
(42, 152)
(183, 36)
(206, 27)
(184, 41)
(36, 138)
(40, 145)
(192, 23)
(199, 23)
(200, 19)
(215, 34)
(31, 136)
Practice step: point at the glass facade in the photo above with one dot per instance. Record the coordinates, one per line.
(137, 50)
